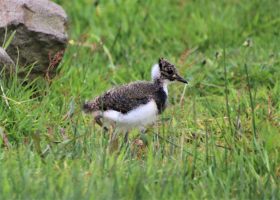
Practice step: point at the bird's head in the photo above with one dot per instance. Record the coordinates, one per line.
(166, 71)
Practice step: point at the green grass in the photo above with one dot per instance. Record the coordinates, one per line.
(220, 140)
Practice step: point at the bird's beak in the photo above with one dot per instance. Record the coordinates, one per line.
(180, 79)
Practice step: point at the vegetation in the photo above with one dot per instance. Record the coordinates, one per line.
(218, 139)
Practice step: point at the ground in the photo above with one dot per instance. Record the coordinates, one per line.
(218, 138)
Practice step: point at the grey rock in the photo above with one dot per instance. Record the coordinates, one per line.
(40, 37)
(5, 61)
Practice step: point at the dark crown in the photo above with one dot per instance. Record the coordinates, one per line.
(168, 71)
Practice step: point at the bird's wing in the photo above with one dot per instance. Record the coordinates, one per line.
(125, 98)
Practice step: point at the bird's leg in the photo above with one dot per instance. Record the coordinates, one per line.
(114, 134)
(143, 135)
(125, 139)
(143, 130)
(114, 143)
(98, 120)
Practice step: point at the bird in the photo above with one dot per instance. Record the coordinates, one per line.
(136, 104)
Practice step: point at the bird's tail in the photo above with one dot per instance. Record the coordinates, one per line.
(89, 106)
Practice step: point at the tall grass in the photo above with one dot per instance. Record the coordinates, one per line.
(218, 139)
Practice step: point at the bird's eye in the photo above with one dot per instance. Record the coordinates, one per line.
(170, 71)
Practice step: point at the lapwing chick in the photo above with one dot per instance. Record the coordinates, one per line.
(137, 104)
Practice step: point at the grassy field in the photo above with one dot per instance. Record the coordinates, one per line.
(218, 139)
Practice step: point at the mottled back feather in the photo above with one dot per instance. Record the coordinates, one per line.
(127, 97)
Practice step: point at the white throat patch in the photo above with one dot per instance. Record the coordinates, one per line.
(155, 72)
(165, 84)
(156, 75)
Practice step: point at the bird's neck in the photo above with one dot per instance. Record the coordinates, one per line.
(163, 83)
(157, 79)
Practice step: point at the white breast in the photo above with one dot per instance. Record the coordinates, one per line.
(138, 117)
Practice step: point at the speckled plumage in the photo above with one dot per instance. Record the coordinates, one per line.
(119, 103)
(127, 97)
